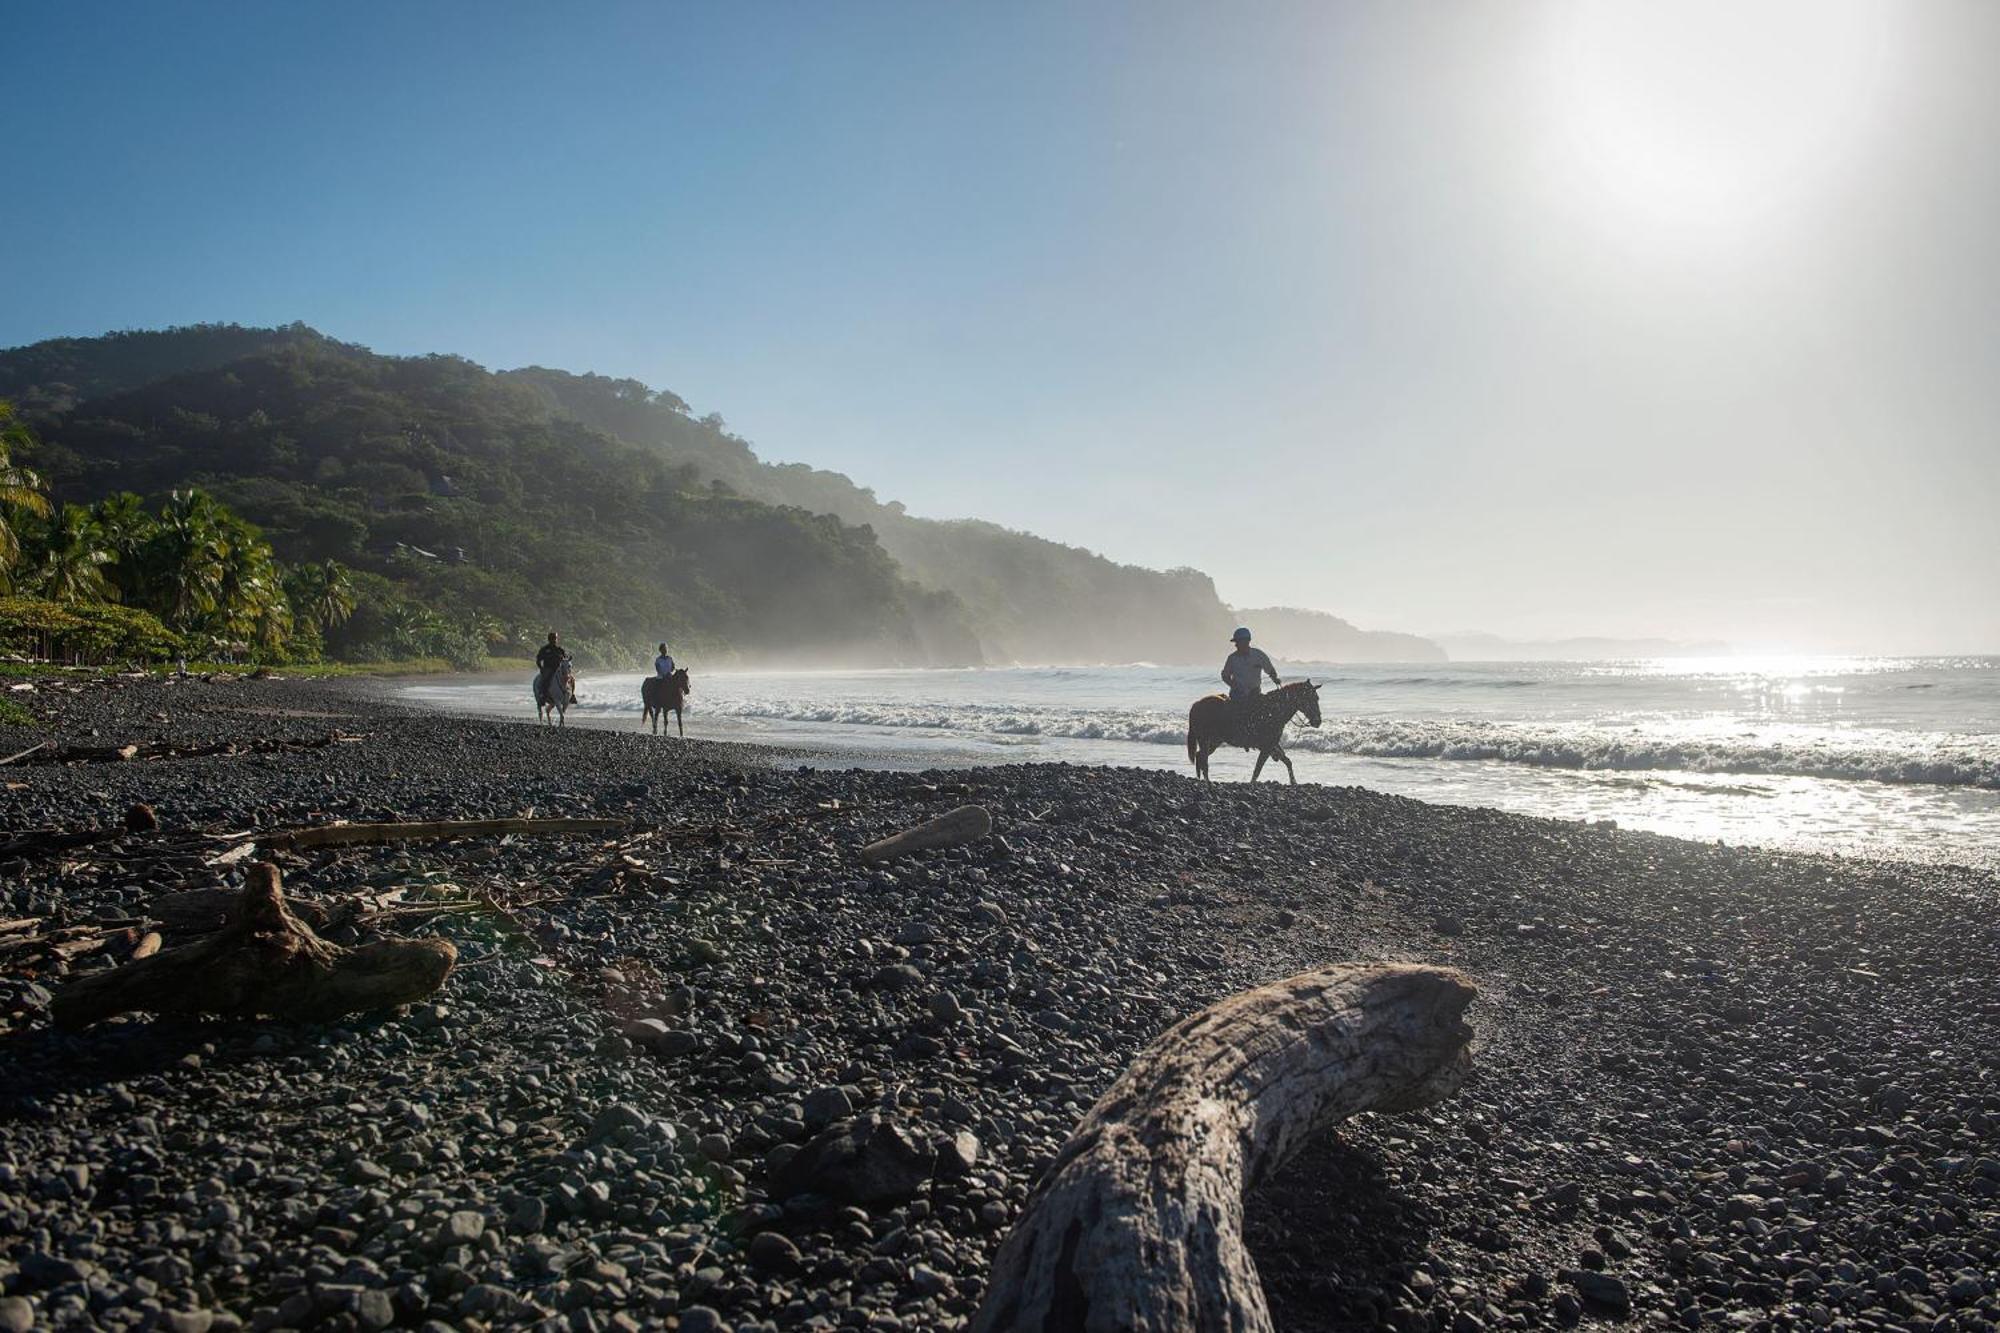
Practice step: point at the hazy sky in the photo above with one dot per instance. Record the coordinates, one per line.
(1540, 318)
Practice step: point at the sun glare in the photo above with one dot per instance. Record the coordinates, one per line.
(1715, 115)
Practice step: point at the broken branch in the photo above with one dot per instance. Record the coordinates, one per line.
(264, 961)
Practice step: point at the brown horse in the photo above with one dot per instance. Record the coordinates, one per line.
(1214, 722)
(658, 694)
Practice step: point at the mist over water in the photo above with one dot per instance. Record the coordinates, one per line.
(1891, 757)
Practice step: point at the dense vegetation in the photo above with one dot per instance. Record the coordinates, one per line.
(114, 581)
(461, 513)
(465, 511)
(1030, 599)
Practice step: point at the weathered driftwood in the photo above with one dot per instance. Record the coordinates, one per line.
(47, 842)
(346, 835)
(32, 749)
(192, 912)
(1138, 1222)
(265, 961)
(954, 827)
(167, 749)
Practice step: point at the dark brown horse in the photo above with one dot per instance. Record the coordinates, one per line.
(658, 694)
(1214, 722)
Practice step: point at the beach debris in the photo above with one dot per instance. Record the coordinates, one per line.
(347, 835)
(204, 911)
(141, 818)
(49, 841)
(264, 961)
(23, 754)
(1138, 1222)
(50, 753)
(954, 828)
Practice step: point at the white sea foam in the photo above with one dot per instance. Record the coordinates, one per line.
(1883, 756)
(1877, 756)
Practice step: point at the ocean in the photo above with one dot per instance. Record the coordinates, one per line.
(1882, 756)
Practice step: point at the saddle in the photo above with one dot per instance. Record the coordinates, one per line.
(1237, 716)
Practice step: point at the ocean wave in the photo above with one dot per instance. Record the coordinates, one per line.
(1878, 756)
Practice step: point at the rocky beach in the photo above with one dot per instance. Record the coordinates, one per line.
(716, 1072)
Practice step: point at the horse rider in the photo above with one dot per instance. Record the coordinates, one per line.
(1243, 671)
(549, 661)
(663, 665)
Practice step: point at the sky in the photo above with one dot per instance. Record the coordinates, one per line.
(1543, 318)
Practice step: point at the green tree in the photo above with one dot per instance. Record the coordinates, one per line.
(20, 489)
(183, 560)
(321, 594)
(249, 591)
(125, 527)
(70, 566)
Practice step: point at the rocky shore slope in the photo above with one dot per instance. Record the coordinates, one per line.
(1716, 1085)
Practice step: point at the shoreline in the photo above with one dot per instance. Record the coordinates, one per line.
(1744, 1085)
(1781, 806)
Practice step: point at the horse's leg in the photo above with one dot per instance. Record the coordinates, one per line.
(1287, 761)
(680, 724)
(1258, 771)
(1206, 751)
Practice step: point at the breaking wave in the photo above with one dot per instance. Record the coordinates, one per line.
(1874, 755)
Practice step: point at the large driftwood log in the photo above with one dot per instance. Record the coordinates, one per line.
(264, 961)
(1138, 1223)
(966, 824)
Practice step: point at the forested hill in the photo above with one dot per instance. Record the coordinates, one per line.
(1315, 636)
(469, 498)
(579, 500)
(1032, 600)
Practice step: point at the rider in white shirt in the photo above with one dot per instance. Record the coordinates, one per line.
(663, 665)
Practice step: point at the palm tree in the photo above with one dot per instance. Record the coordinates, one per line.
(71, 567)
(271, 625)
(125, 527)
(20, 489)
(414, 631)
(186, 558)
(321, 594)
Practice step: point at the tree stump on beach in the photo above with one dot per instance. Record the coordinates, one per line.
(264, 961)
(1138, 1223)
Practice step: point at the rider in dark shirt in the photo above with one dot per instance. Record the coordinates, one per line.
(550, 659)
(552, 654)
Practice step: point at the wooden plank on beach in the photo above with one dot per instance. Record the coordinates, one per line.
(349, 835)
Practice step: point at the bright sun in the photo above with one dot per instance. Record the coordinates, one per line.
(1715, 115)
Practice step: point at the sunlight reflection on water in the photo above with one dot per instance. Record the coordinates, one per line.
(1877, 756)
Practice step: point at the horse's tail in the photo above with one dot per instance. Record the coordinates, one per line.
(1194, 756)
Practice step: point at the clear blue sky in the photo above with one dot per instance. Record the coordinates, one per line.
(1542, 318)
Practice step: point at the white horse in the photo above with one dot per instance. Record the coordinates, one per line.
(553, 706)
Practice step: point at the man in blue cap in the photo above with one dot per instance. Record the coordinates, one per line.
(1244, 671)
